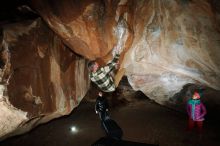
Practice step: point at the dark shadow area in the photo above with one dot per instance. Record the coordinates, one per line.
(12, 11)
(105, 141)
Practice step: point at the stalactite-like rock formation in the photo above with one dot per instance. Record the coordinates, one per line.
(41, 79)
(167, 44)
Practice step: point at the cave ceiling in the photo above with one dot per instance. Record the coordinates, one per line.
(165, 45)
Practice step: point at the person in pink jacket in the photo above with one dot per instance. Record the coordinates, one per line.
(196, 112)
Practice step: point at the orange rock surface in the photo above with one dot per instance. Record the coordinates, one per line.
(167, 44)
(41, 78)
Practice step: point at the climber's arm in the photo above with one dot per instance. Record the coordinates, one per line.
(112, 65)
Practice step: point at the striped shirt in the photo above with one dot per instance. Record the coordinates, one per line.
(102, 77)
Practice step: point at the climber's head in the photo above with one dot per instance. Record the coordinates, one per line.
(93, 66)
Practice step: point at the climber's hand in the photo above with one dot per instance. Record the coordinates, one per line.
(117, 65)
(116, 50)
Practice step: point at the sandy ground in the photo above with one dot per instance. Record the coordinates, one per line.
(142, 121)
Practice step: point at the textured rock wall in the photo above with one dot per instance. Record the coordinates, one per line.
(171, 48)
(41, 78)
(167, 43)
(88, 27)
(175, 43)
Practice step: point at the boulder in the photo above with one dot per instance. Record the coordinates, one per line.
(40, 77)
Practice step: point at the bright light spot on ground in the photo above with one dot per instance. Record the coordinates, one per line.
(73, 129)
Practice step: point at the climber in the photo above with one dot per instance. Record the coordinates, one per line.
(101, 76)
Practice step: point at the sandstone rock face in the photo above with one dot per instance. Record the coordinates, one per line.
(88, 27)
(41, 78)
(175, 43)
(167, 43)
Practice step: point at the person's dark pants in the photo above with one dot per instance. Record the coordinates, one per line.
(103, 116)
(197, 124)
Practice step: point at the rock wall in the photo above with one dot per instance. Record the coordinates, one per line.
(41, 78)
(175, 43)
(166, 43)
(88, 27)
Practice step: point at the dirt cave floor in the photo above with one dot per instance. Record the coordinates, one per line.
(141, 121)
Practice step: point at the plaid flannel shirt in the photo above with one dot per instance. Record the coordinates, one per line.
(102, 77)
